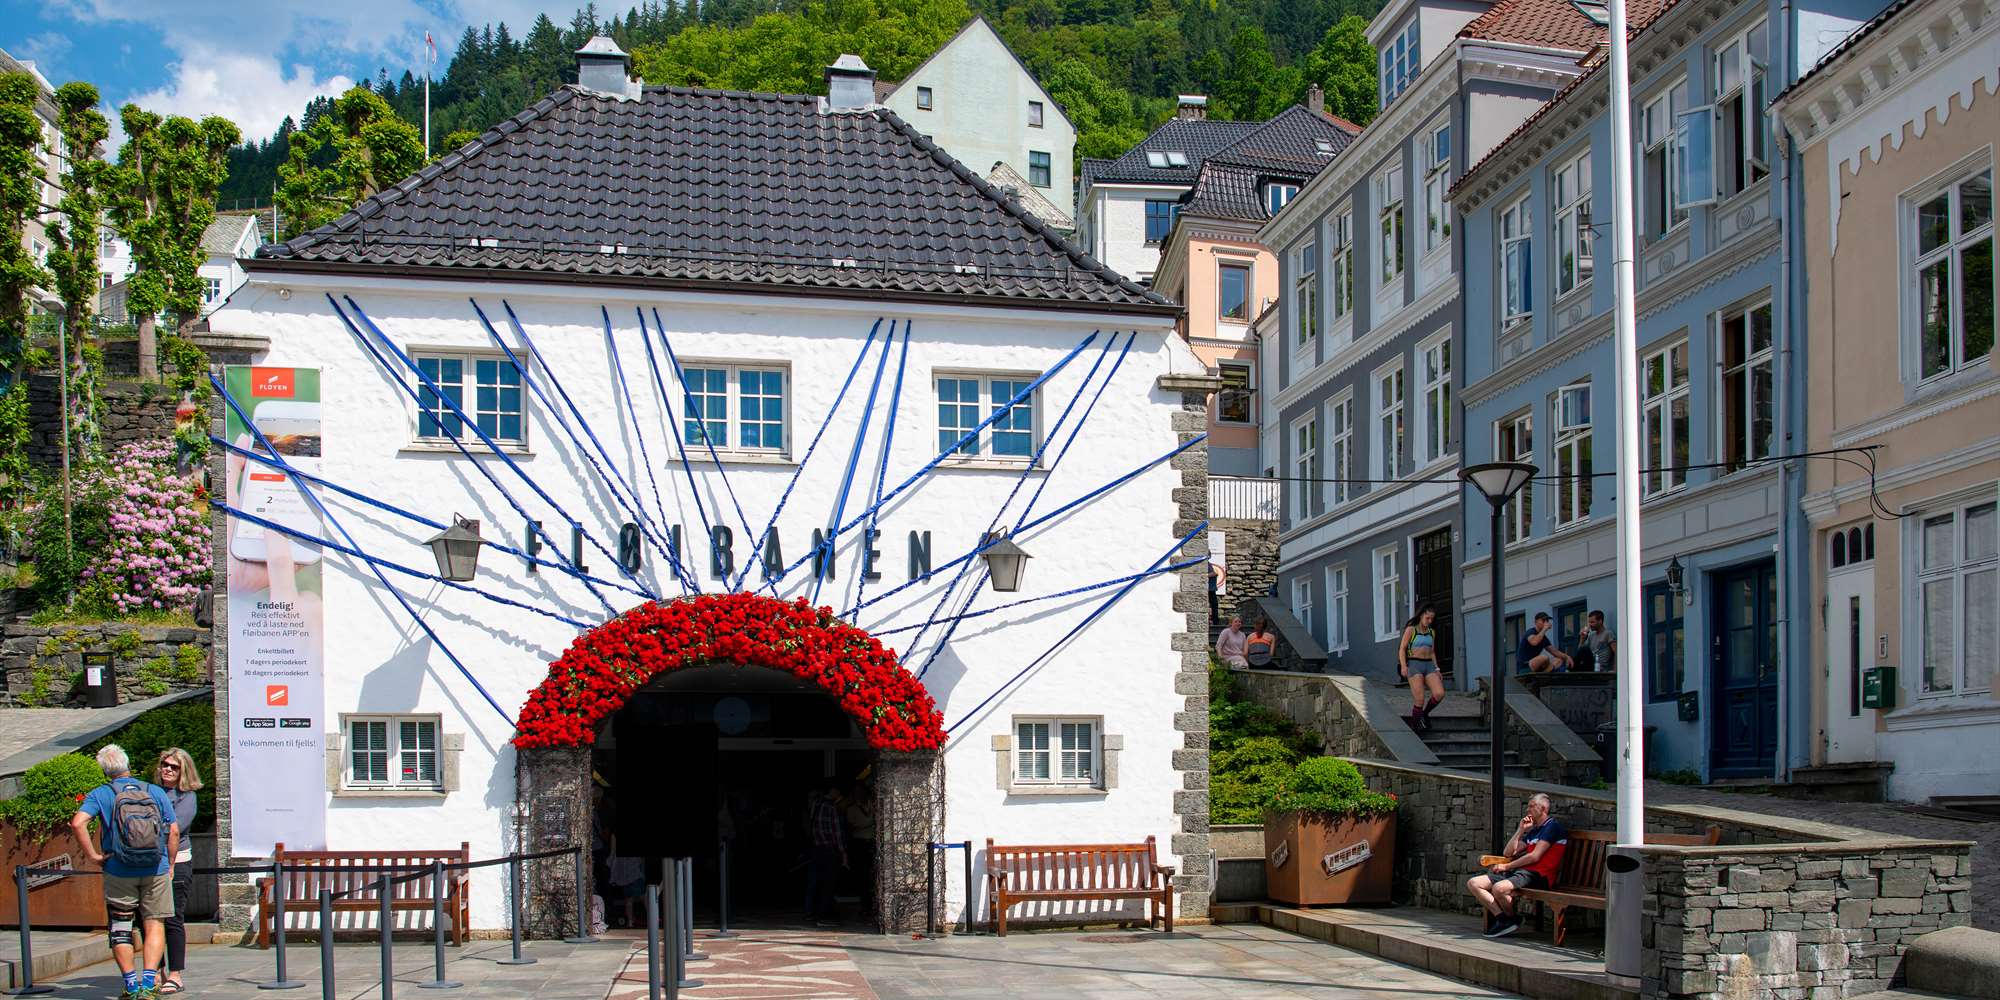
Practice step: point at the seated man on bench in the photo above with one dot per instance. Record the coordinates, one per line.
(1533, 856)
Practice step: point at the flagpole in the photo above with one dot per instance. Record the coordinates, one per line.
(430, 63)
(1625, 323)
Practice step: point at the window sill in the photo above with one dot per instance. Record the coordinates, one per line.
(1569, 526)
(1937, 711)
(1057, 791)
(418, 794)
(1664, 494)
(730, 457)
(1946, 383)
(447, 448)
(991, 464)
(1566, 299)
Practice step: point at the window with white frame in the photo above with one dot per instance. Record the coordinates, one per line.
(1742, 157)
(1514, 441)
(1340, 449)
(1389, 426)
(1234, 402)
(1305, 467)
(1336, 608)
(1747, 404)
(1389, 222)
(1302, 600)
(107, 244)
(1400, 63)
(484, 388)
(964, 400)
(1388, 591)
(1305, 298)
(1277, 195)
(734, 406)
(1571, 195)
(1663, 404)
(1341, 265)
(1659, 146)
(1436, 415)
(1954, 274)
(1056, 752)
(1958, 564)
(1232, 291)
(399, 752)
(1571, 407)
(211, 289)
(1437, 184)
(1517, 250)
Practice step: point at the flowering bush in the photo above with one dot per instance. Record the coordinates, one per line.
(158, 557)
(605, 665)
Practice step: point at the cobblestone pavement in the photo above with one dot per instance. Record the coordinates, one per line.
(781, 965)
(1884, 818)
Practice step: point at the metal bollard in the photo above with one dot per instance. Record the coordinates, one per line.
(687, 913)
(652, 942)
(582, 899)
(326, 985)
(722, 897)
(438, 981)
(280, 981)
(27, 987)
(968, 890)
(514, 879)
(675, 948)
(388, 921)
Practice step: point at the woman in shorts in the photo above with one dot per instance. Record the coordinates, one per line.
(1416, 657)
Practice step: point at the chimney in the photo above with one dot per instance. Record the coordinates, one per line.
(850, 84)
(1192, 107)
(604, 68)
(1316, 100)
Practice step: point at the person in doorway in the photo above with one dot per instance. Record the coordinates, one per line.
(139, 841)
(828, 830)
(1229, 645)
(1538, 653)
(627, 878)
(1597, 647)
(1416, 657)
(1534, 855)
(1261, 646)
(176, 774)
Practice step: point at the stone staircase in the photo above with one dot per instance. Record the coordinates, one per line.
(1462, 738)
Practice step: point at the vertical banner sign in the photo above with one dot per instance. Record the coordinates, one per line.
(276, 620)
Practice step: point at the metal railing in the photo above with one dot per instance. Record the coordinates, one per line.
(1243, 498)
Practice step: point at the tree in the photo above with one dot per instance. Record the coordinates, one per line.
(73, 240)
(1106, 123)
(20, 197)
(1343, 64)
(162, 198)
(346, 156)
(1255, 88)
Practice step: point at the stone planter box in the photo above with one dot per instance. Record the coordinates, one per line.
(1299, 848)
(61, 902)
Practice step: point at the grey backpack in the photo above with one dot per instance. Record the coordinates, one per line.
(137, 819)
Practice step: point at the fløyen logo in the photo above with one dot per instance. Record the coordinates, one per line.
(271, 382)
(277, 694)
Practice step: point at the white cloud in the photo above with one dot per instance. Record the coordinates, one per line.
(251, 90)
(46, 51)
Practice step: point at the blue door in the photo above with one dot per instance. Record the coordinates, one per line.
(1743, 672)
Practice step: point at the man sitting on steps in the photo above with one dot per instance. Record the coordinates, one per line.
(1533, 856)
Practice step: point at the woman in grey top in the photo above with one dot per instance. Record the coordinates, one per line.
(176, 774)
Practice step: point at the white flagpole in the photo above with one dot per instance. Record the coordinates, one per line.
(430, 63)
(1625, 321)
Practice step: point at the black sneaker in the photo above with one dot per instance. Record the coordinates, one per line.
(1503, 926)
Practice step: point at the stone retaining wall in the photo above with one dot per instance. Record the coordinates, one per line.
(1319, 706)
(133, 411)
(43, 665)
(1250, 555)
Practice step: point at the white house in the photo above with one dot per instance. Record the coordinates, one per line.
(224, 244)
(977, 99)
(706, 387)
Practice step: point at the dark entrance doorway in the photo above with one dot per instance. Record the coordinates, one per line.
(1435, 569)
(721, 753)
(1743, 671)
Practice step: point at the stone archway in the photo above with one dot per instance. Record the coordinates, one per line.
(605, 666)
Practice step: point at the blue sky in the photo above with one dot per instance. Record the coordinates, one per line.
(254, 62)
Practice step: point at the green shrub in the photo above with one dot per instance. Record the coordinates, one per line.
(1331, 787)
(1244, 778)
(189, 725)
(50, 792)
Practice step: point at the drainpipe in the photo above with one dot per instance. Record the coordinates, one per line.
(1788, 473)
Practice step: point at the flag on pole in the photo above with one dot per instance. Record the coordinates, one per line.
(430, 47)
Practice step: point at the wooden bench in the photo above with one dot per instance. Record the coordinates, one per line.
(303, 882)
(1028, 873)
(1580, 881)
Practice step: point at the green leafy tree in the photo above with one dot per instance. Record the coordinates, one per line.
(162, 197)
(20, 201)
(1106, 122)
(1343, 64)
(344, 157)
(73, 242)
(1255, 87)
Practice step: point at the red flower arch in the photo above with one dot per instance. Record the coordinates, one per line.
(605, 665)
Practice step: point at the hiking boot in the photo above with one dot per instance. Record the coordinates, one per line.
(1503, 926)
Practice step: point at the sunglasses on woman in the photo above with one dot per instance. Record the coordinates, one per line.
(165, 764)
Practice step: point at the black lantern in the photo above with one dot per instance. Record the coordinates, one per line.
(1004, 562)
(1677, 578)
(457, 549)
(1498, 481)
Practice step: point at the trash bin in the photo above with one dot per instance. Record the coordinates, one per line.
(100, 680)
(1624, 917)
(1605, 741)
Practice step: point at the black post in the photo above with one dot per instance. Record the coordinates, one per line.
(514, 913)
(438, 981)
(387, 919)
(27, 987)
(968, 890)
(326, 985)
(652, 942)
(671, 889)
(687, 912)
(582, 898)
(1497, 704)
(722, 898)
(280, 981)
(930, 890)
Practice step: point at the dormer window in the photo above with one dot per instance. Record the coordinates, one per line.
(1599, 11)
(1324, 147)
(1167, 159)
(1276, 195)
(924, 98)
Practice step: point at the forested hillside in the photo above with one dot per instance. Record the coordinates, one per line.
(1114, 65)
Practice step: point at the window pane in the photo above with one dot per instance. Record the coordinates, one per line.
(1976, 268)
(1933, 224)
(1934, 316)
(1975, 202)
(1233, 298)
(1980, 610)
(1014, 431)
(1979, 533)
(761, 408)
(705, 412)
(958, 414)
(1939, 634)
(1938, 538)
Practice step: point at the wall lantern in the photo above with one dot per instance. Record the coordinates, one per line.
(1677, 579)
(1004, 562)
(457, 549)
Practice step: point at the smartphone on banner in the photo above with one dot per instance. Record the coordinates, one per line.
(293, 430)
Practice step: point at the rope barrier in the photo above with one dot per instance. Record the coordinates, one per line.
(419, 867)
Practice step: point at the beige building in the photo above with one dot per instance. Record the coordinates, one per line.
(50, 162)
(1895, 131)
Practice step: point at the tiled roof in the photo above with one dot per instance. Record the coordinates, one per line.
(1032, 200)
(1551, 23)
(1196, 138)
(711, 188)
(1287, 148)
(222, 235)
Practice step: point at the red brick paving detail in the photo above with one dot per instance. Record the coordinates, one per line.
(761, 965)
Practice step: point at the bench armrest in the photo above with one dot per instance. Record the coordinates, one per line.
(997, 876)
(1165, 870)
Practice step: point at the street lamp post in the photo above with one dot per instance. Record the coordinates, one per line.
(1498, 482)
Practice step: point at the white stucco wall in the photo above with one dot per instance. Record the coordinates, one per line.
(979, 111)
(1118, 227)
(1121, 668)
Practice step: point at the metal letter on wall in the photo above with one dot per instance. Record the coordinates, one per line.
(576, 547)
(630, 555)
(870, 554)
(822, 556)
(920, 555)
(774, 559)
(721, 559)
(532, 545)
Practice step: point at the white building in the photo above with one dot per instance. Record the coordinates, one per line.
(224, 245)
(977, 99)
(827, 235)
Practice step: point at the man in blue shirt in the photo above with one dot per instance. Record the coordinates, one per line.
(139, 845)
(1538, 653)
